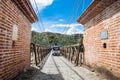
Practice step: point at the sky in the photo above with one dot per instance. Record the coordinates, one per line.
(59, 16)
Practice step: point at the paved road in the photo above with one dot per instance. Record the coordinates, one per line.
(58, 68)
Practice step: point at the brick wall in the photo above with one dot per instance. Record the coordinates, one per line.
(95, 55)
(15, 59)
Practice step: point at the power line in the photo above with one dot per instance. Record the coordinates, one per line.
(41, 22)
(39, 28)
(76, 12)
(81, 2)
(69, 18)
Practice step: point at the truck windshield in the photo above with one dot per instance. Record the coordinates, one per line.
(56, 48)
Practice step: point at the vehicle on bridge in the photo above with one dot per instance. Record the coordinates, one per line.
(56, 50)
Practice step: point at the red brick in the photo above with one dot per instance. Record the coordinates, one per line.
(13, 59)
(110, 56)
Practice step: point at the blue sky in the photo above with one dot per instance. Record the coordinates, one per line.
(59, 16)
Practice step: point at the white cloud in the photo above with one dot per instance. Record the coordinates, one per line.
(41, 4)
(61, 20)
(48, 30)
(74, 30)
(44, 2)
(35, 29)
(66, 25)
(52, 26)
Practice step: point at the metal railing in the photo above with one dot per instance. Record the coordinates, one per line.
(75, 54)
(38, 52)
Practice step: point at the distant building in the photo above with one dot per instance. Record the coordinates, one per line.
(102, 36)
(16, 17)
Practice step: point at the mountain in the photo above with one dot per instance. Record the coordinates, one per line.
(49, 38)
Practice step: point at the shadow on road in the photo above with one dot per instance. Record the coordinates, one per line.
(35, 74)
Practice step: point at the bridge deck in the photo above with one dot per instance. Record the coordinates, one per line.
(58, 68)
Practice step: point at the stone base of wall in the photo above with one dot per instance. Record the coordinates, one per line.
(103, 71)
(108, 74)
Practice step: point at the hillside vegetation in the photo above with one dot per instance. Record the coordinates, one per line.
(48, 38)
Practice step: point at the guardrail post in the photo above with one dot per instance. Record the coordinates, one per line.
(72, 54)
(34, 47)
(77, 56)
